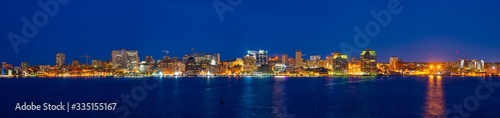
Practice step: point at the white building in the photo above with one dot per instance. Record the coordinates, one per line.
(260, 56)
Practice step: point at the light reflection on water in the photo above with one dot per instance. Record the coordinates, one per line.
(279, 99)
(257, 97)
(434, 99)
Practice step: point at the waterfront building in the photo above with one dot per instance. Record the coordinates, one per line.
(329, 61)
(75, 62)
(395, 64)
(340, 63)
(368, 62)
(249, 64)
(261, 57)
(96, 63)
(284, 59)
(298, 59)
(471, 65)
(192, 67)
(149, 60)
(60, 59)
(279, 68)
(212, 58)
(125, 59)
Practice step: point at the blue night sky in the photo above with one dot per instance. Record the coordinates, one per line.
(425, 30)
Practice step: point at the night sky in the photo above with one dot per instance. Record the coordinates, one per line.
(424, 30)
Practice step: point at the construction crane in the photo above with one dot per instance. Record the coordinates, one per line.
(166, 52)
(87, 60)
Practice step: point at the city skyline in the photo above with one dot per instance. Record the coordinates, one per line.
(61, 58)
(422, 31)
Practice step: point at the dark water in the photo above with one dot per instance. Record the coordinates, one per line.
(259, 97)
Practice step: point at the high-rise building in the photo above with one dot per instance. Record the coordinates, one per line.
(60, 59)
(126, 59)
(192, 67)
(96, 63)
(472, 65)
(298, 59)
(150, 60)
(329, 61)
(368, 60)
(394, 63)
(284, 59)
(249, 64)
(209, 58)
(75, 62)
(260, 57)
(340, 63)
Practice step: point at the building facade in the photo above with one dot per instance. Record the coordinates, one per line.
(249, 64)
(340, 63)
(125, 59)
(368, 62)
(60, 59)
(284, 59)
(298, 59)
(395, 63)
(261, 57)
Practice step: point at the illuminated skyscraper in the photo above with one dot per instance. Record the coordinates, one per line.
(60, 59)
(298, 59)
(249, 63)
(149, 60)
(284, 59)
(394, 63)
(126, 59)
(340, 63)
(368, 60)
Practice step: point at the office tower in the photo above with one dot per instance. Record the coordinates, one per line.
(340, 63)
(260, 57)
(368, 60)
(394, 63)
(284, 59)
(249, 63)
(209, 58)
(125, 59)
(75, 62)
(60, 59)
(298, 59)
(150, 60)
(329, 61)
(96, 63)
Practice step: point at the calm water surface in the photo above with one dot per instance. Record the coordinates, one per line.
(257, 97)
